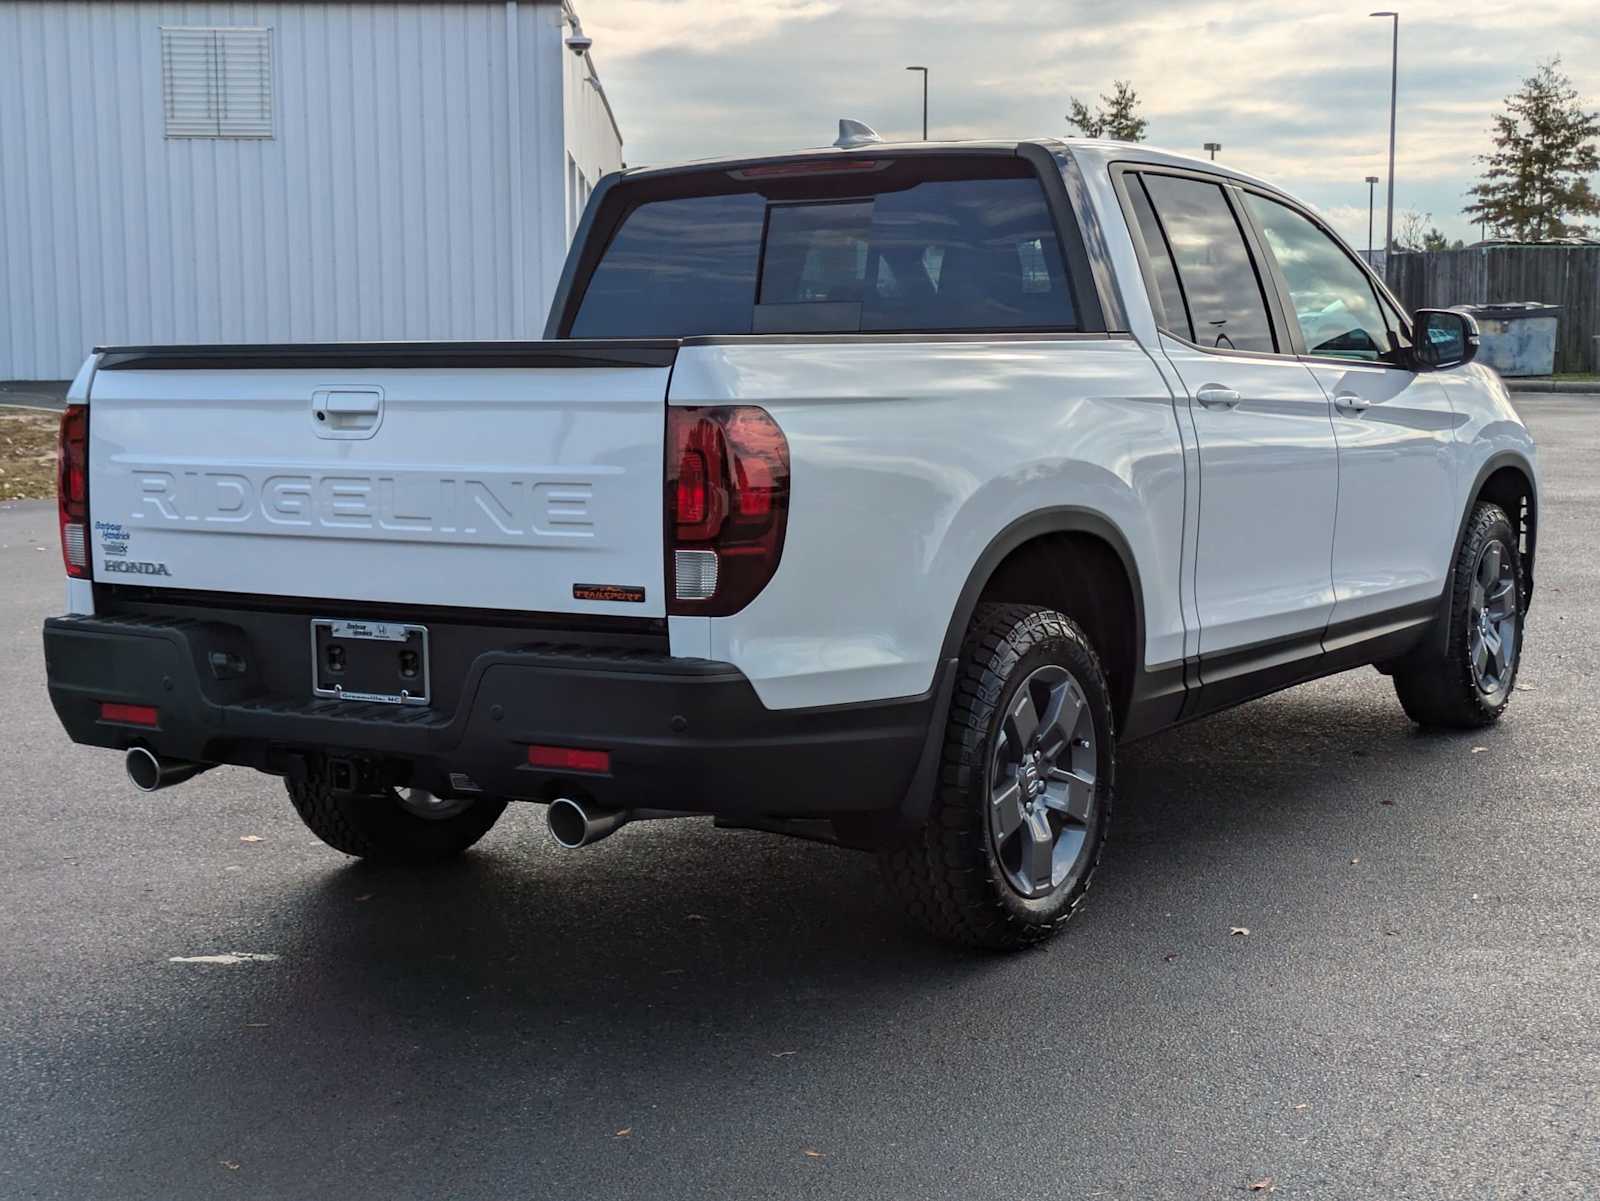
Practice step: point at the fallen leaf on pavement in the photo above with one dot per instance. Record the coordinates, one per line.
(251, 838)
(1264, 1185)
(228, 957)
(1239, 931)
(624, 1132)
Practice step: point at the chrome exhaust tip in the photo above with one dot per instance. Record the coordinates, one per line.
(573, 824)
(149, 772)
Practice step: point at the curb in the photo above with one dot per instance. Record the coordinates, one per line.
(1545, 387)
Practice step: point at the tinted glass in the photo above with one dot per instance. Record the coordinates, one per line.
(677, 268)
(1334, 301)
(1159, 260)
(942, 254)
(966, 254)
(1219, 281)
(816, 253)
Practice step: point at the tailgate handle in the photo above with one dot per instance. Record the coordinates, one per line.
(347, 412)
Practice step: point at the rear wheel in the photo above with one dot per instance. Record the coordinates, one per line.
(1020, 817)
(407, 826)
(1469, 683)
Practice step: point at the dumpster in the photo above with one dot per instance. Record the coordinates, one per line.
(1518, 338)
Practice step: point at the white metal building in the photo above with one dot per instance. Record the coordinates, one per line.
(264, 172)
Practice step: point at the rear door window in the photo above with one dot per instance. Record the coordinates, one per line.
(1226, 304)
(1158, 256)
(973, 248)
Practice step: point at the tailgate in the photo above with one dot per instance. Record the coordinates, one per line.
(524, 477)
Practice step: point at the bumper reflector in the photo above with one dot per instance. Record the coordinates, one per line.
(569, 758)
(129, 715)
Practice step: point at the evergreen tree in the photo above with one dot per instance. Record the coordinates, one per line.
(1114, 118)
(1545, 149)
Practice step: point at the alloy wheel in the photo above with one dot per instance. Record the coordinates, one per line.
(1042, 782)
(1492, 620)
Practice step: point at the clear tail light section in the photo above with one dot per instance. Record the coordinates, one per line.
(727, 477)
(72, 491)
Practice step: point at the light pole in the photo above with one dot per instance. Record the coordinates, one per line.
(1394, 87)
(1213, 147)
(924, 71)
(1372, 183)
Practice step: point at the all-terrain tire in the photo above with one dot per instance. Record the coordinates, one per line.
(950, 875)
(380, 829)
(1438, 686)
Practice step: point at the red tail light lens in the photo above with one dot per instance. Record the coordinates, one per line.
(727, 506)
(72, 491)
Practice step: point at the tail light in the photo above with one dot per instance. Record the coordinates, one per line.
(727, 506)
(72, 491)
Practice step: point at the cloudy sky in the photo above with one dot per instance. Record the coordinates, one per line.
(1295, 92)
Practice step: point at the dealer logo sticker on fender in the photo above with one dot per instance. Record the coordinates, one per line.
(620, 593)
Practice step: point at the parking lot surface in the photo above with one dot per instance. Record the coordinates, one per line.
(684, 1012)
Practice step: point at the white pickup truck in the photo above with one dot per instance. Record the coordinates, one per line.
(870, 494)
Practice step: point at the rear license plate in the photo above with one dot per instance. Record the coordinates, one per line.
(382, 661)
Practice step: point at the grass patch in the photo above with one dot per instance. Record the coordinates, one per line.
(27, 454)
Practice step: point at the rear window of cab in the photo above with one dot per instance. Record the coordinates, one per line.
(908, 245)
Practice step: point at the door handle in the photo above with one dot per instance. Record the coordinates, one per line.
(1349, 402)
(1215, 396)
(346, 412)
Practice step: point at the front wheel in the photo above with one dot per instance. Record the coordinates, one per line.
(1469, 684)
(399, 826)
(1020, 817)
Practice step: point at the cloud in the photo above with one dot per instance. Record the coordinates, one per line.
(1301, 98)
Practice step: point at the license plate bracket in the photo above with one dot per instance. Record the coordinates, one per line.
(382, 661)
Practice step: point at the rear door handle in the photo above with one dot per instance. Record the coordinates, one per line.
(1349, 402)
(1215, 396)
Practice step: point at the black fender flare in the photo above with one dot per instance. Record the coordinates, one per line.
(1495, 462)
(1060, 519)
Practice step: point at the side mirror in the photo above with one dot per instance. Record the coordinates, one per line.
(1445, 338)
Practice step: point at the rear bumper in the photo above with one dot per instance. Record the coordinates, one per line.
(682, 733)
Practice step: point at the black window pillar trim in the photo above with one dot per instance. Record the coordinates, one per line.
(1096, 303)
(1091, 238)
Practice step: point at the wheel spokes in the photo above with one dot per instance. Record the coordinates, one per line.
(1074, 799)
(1006, 808)
(1061, 720)
(1038, 851)
(1489, 566)
(1024, 719)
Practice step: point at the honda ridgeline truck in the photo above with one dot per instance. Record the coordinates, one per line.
(872, 494)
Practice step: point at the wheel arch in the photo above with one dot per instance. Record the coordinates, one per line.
(1506, 479)
(1027, 561)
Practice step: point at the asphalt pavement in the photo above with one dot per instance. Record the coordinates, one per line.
(681, 1012)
